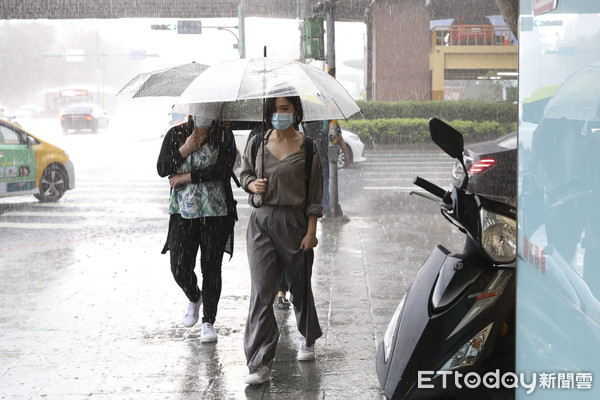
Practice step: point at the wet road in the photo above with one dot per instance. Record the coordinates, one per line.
(119, 193)
(89, 309)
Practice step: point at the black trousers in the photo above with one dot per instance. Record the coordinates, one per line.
(186, 236)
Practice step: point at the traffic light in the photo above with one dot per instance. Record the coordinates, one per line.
(163, 27)
(189, 27)
(312, 37)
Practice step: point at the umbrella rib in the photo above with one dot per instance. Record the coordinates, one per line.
(250, 60)
(339, 109)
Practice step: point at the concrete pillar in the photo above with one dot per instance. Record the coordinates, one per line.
(399, 50)
(437, 75)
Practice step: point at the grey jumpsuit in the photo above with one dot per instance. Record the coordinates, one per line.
(273, 239)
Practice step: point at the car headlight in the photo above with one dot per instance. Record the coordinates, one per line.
(498, 236)
(392, 328)
(468, 353)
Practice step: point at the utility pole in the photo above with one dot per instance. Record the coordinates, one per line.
(242, 29)
(335, 210)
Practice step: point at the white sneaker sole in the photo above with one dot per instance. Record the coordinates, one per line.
(189, 325)
(208, 339)
(258, 377)
(305, 356)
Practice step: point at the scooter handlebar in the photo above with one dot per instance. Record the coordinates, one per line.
(430, 187)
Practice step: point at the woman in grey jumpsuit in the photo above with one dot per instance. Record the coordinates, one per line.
(282, 232)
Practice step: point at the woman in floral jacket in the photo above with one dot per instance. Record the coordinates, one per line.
(198, 157)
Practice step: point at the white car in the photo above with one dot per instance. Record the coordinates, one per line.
(83, 116)
(8, 116)
(28, 111)
(354, 146)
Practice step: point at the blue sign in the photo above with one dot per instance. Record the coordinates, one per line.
(137, 54)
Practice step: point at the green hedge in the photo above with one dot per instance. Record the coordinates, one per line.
(416, 130)
(446, 110)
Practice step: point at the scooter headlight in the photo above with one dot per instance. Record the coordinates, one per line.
(391, 331)
(469, 352)
(498, 236)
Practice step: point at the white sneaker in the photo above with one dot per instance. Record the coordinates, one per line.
(208, 334)
(193, 313)
(306, 353)
(262, 374)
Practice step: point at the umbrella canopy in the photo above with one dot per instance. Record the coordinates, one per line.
(240, 86)
(534, 104)
(170, 81)
(578, 98)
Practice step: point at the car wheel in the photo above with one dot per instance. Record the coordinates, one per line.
(341, 158)
(53, 184)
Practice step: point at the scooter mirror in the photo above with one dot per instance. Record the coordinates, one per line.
(447, 138)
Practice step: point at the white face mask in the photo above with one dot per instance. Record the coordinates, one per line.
(201, 122)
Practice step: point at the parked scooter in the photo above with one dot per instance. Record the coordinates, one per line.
(453, 334)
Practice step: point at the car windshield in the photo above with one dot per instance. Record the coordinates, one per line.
(79, 110)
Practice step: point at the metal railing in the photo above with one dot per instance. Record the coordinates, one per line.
(472, 35)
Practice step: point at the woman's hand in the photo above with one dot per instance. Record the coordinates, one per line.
(258, 186)
(308, 242)
(179, 180)
(193, 142)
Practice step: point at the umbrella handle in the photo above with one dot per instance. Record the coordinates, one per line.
(256, 204)
(262, 164)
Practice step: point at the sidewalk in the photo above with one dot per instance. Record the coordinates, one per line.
(108, 325)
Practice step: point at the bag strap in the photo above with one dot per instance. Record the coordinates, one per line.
(258, 138)
(235, 179)
(308, 158)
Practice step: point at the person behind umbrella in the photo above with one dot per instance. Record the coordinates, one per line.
(282, 232)
(198, 157)
(282, 302)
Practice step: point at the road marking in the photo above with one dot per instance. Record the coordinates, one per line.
(130, 188)
(19, 225)
(406, 163)
(82, 214)
(393, 179)
(401, 173)
(402, 188)
(119, 198)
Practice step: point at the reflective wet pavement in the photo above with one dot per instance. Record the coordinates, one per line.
(104, 320)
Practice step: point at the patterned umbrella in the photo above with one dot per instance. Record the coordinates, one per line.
(170, 81)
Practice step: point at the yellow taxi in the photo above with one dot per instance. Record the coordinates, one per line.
(29, 165)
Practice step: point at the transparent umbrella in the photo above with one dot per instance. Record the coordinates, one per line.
(578, 98)
(240, 85)
(534, 104)
(170, 81)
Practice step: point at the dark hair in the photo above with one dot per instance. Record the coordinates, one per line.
(270, 110)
